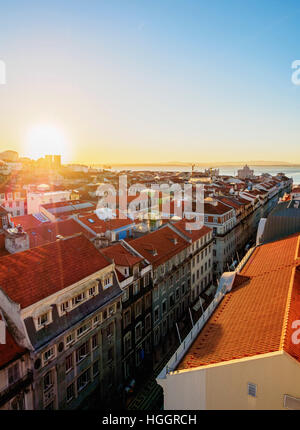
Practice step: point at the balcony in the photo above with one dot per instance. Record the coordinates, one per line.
(13, 389)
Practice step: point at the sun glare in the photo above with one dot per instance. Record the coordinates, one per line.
(44, 139)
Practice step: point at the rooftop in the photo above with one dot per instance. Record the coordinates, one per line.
(192, 234)
(101, 226)
(121, 255)
(255, 317)
(32, 275)
(48, 232)
(160, 245)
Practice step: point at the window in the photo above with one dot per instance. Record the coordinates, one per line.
(127, 318)
(138, 331)
(147, 279)
(139, 356)
(172, 301)
(252, 389)
(17, 404)
(96, 319)
(148, 301)
(83, 329)
(13, 373)
(136, 288)
(127, 343)
(48, 354)
(92, 291)
(69, 363)
(155, 293)
(164, 307)
(156, 314)
(95, 368)
(83, 380)
(70, 338)
(78, 299)
(48, 380)
(64, 306)
(82, 352)
(148, 323)
(43, 319)
(125, 295)
(107, 282)
(138, 308)
(70, 392)
(111, 310)
(110, 330)
(95, 342)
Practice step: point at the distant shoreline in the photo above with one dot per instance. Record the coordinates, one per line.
(212, 165)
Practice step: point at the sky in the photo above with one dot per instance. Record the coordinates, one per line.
(130, 81)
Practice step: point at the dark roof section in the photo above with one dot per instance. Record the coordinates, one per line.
(60, 324)
(283, 221)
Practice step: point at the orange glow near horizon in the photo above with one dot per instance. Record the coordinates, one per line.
(43, 139)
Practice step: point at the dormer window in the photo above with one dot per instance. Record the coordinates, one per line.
(107, 282)
(64, 307)
(78, 299)
(92, 291)
(43, 319)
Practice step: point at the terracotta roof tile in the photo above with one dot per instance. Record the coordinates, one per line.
(158, 246)
(251, 319)
(121, 256)
(30, 276)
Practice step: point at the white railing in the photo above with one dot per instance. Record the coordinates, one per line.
(244, 260)
(184, 346)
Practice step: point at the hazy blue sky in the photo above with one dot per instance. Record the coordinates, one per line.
(132, 81)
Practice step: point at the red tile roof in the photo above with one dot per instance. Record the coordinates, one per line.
(255, 317)
(193, 234)
(26, 221)
(10, 351)
(218, 209)
(30, 276)
(121, 256)
(100, 226)
(160, 241)
(47, 232)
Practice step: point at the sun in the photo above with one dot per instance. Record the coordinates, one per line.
(46, 139)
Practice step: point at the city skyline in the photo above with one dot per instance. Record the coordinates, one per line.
(125, 82)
